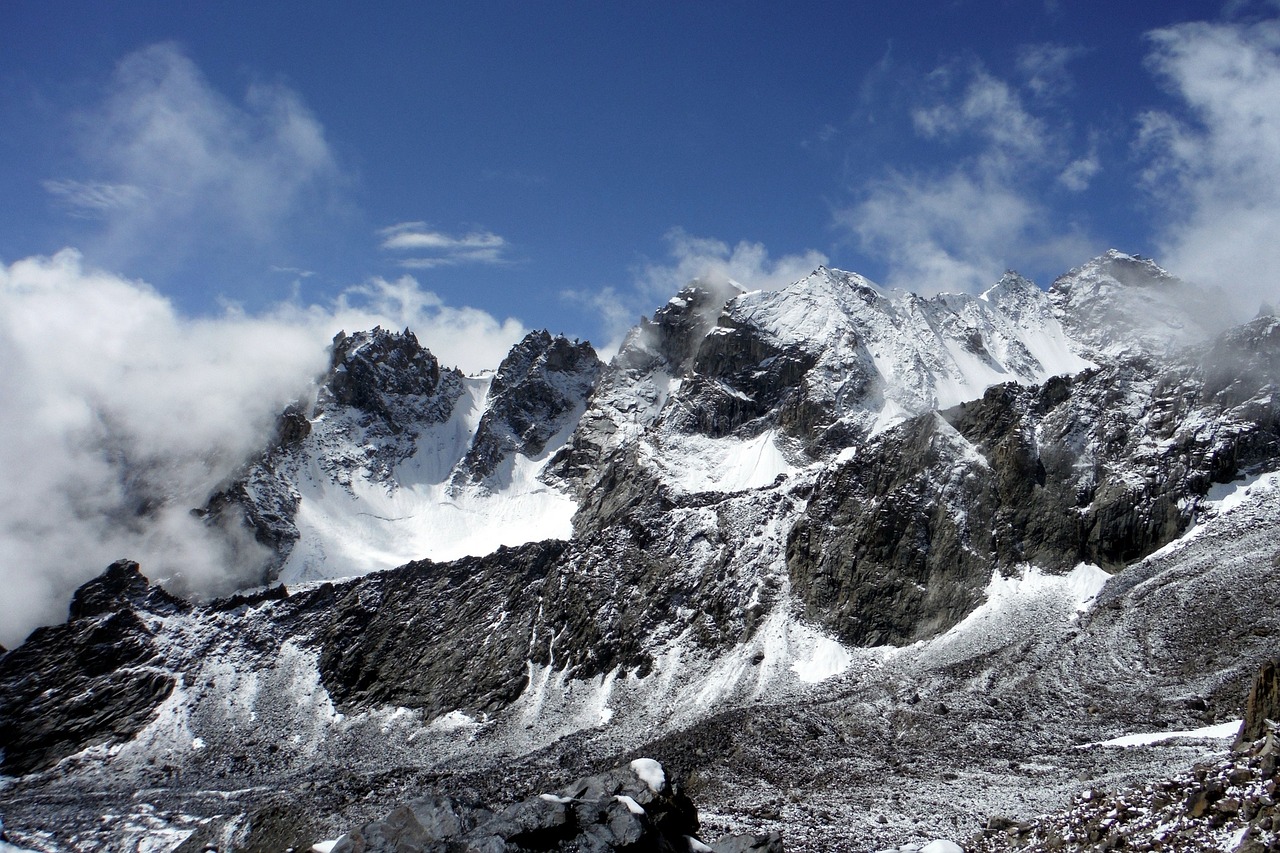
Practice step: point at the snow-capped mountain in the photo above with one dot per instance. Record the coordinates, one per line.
(784, 540)
(399, 458)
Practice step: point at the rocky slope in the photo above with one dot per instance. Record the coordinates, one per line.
(860, 567)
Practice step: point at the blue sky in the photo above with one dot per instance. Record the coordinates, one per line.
(567, 165)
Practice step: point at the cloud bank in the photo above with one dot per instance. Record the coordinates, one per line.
(121, 415)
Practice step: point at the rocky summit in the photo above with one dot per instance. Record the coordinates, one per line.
(853, 569)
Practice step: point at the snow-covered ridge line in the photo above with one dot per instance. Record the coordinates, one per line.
(722, 391)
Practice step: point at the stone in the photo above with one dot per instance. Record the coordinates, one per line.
(590, 814)
(1263, 704)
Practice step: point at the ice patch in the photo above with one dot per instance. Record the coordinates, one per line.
(324, 846)
(827, 659)
(453, 721)
(632, 805)
(1221, 731)
(696, 463)
(650, 772)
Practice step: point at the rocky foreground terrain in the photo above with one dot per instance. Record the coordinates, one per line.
(864, 571)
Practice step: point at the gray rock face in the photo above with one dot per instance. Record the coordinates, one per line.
(90, 681)
(388, 376)
(539, 390)
(1119, 303)
(1262, 708)
(381, 389)
(454, 660)
(1104, 468)
(634, 388)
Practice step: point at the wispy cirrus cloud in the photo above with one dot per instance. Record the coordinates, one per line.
(434, 248)
(169, 167)
(95, 199)
(958, 225)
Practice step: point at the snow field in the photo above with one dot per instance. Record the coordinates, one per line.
(373, 526)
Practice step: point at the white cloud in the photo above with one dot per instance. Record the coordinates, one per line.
(746, 264)
(959, 226)
(1079, 173)
(1214, 164)
(941, 234)
(465, 337)
(989, 109)
(113, 401)
(1044, 68)
(474, 247)
(174, 165)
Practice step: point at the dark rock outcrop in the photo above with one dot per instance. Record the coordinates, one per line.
(387, 375)
(1105, 467)
(1262, 709)
(541, 384)
(454, 660)
(613, 811)
(95, 679)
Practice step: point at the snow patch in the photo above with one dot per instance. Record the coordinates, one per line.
(828, 658)
(942, 845)
(453, 721)
(632, 805)
(651, 773)
(1226, 497)
(1221, 731)
(1221, 502)
(373, 526)
(696, 463)
(1078, 587)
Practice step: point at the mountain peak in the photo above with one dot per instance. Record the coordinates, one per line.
(1119, 302)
